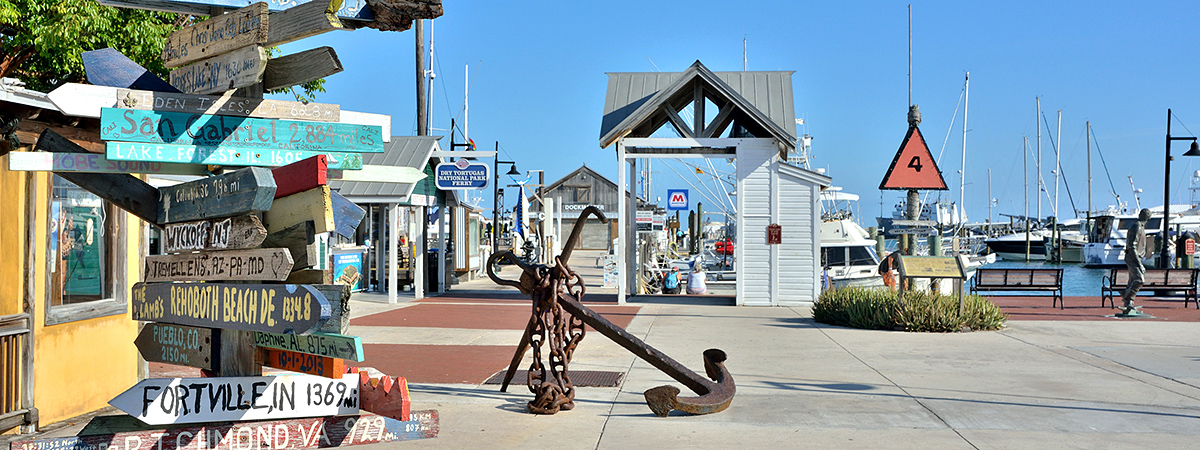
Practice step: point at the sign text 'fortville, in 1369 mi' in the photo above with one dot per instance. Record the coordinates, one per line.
(156, 127)
(159, 401)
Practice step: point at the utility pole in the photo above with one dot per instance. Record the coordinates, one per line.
(419, 31)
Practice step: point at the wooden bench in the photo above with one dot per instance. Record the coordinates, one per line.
(1020, 280)
(1113, 284)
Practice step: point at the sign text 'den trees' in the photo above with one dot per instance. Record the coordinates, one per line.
(156, 127)
(158, 401)
(274, 308)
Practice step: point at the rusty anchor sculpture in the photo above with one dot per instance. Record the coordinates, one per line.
(556, 290)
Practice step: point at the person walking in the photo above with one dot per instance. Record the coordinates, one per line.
(1135, 250)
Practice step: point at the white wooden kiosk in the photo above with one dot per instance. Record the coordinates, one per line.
(755, 124)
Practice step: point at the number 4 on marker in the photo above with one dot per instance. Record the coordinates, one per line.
(915, 163)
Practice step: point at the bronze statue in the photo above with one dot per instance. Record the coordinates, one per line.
(1135, 250)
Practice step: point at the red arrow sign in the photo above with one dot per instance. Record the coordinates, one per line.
(913, 167)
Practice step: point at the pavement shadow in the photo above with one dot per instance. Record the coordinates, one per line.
(794, 322)
(693, 300)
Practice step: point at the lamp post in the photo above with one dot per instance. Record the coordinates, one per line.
(496, 195)
(1164, 256)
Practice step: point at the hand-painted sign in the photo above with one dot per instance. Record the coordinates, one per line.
(321, 344)
(677, 199)
(310, 433)
(462, 174)
(237, 69)
(217, 35)
(314, 204)
(177, 344)
(218, 234)
(274, 308)
(322, 366)
(301, 175)
(257, 264)
(223, 156)
(155, 127)
(350, 9)
(239, 192)
(95, 163)
(158, 401)
(913, 167)
(372, 173)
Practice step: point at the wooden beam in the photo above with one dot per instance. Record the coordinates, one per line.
(28, 131)
(123, 190)
(237, 69)
(310, 276)
(217, 234)
(697, 108)
(217, 35)
(314, 205)
(256, 264)
(307, 20)
(274, 308)
(239, 192)
(322, 366)
(300, 68)
(108, 67)
(177, 344)
(223, 155)
(300, 176)
(724, 117)
(677, 122)
(247, 133)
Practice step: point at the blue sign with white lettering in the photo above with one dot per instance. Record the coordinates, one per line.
(677, 199)
(462, 174)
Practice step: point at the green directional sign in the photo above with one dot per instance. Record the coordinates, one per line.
(321, 344)
(161, 127)
(223, 156)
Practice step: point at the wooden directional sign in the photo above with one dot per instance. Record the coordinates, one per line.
(237, 69)
(300, 68)
(330, 345)
(274, 308)
(913, 167)
(239, 192)
(350, 9)
(123, 190)
(217, 35)
(108, 67)
(223, 156)
(85, 100)
(95, 163)
(346, 215)
(257, 264)
(310, 433)
(322, 366)
(217, 234)
(158, 401)
(314, 204)
(378, 174)
(155, 127)
(300, 176)
(177, 344)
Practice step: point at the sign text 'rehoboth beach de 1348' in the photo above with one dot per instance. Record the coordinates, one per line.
(274, 308)
(158, 401)
(156, 127)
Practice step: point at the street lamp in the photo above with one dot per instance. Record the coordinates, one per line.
(1164, 257)
(496, 195)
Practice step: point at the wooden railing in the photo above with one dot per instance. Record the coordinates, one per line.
(15, 371)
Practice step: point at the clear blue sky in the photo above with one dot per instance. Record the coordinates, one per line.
(538, 83)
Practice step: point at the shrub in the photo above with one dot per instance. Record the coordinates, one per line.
(878, 309)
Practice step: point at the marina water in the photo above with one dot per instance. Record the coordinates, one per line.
(1077, 280)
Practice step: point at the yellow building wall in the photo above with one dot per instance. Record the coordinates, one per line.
(12, 240)
(80, 365)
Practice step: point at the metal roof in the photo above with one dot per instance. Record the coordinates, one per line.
(765, 96)
(403, 151)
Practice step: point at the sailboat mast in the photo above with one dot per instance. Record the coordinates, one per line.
(1057, 163)
(1025, 156)
(962, 173)
(466, 105)
(1038, 164)
(1088, 132)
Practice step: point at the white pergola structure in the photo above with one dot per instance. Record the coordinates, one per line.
(754, 124)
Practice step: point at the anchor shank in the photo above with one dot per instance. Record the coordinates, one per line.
(659, 360)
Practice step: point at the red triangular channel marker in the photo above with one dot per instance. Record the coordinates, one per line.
(913, 167)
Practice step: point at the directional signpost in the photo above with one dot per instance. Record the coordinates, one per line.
(301, 175)
(314, 205)
(156, 127)
(234, 193)
(224, 155)
(217, 35)
(217, 234)
(321, 366)
(158, 401)
(274, 308)
(177, 344)
(234, 70)
(260, 264)
(321, 344)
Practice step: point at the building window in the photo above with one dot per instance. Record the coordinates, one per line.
(583, 194)
(83, 259)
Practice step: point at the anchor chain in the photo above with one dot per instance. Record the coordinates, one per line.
(561, 332)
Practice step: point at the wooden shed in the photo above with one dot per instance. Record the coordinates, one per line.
(575, 192)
